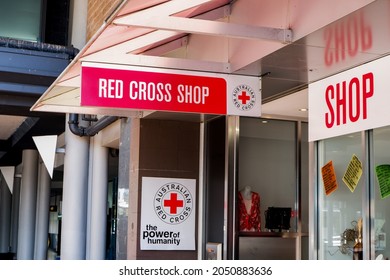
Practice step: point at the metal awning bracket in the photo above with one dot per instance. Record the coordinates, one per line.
(209, 27)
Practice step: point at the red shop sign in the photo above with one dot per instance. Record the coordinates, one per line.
(119, 88)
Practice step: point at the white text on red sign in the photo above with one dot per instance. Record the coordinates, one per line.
(161, 92)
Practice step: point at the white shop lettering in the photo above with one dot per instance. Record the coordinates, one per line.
(110, 88)
(150, 91)
(153, 91)
(192, 94)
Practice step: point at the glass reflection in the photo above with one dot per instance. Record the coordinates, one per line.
(341, 209)
(381, 205)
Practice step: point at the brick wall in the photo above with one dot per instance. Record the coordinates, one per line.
(98, 11)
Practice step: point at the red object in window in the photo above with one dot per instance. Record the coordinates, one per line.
(249, 221)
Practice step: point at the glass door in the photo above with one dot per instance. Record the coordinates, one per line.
(380, 198)
(340, 192)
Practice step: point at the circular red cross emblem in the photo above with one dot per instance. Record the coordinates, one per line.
(173, 203)
(244, 97)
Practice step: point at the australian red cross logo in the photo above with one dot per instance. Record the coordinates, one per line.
(173, 203)
(244, 97)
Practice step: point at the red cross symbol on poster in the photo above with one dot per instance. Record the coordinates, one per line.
(173, 203)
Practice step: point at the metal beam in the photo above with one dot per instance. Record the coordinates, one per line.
(165, 9)
(167, 47)
(32, 62)
(161, 62)
(16, 100)
(158, 36)
(19, 88)
(209, 27)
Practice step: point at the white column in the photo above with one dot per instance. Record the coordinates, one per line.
(27, 206)
(98, 214)
(79, 12)
(42, 216)
(133, 179)
(122, 235)
(74, 197)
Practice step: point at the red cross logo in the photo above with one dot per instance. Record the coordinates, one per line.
(173, 203)
(244, 97)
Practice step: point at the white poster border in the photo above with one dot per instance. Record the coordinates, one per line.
(161, 229)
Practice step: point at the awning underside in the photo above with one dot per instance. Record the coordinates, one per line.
(216, 36)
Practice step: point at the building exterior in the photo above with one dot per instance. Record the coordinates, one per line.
(171, 111)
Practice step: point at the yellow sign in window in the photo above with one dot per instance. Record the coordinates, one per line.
(353, 173)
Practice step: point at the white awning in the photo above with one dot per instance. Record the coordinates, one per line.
(160, 34)
(140, 33)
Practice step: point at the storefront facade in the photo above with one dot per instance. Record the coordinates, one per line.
(351, 161)
(200, 138)
(178, 172)
(229, 151)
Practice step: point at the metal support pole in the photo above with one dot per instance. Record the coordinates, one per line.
(5, 216)
(75, 190)
(28, 200)
(15, 209)
(89, 197)
(231, 158)
(98, 215)
(42, 224)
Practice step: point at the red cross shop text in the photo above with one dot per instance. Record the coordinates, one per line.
(133, 89)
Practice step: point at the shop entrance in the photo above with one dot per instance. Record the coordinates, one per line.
(269, 159)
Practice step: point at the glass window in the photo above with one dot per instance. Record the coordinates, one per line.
(267, 164)
(340, 210)
(381, 146)
(20, 19)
